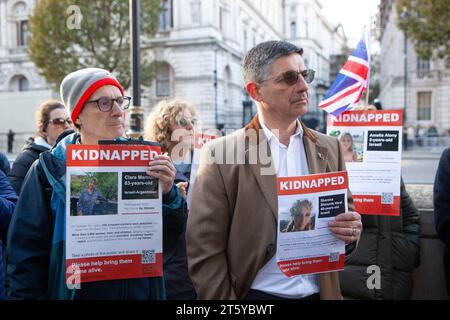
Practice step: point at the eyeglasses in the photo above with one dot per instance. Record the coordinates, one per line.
(60, 122)
(105, 104)
(291, 77)
(183, 122)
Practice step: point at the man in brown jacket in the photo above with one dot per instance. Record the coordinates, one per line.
(232, 225)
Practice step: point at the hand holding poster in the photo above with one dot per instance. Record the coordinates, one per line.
(113, 213)
(305, 206)
(371, 143)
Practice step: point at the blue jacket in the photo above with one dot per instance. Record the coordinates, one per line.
(36, 255)
(8, 199)
(4, 164)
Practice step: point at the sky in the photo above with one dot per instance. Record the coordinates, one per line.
(352, 14)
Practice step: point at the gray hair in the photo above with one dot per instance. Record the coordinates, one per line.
(258, 61)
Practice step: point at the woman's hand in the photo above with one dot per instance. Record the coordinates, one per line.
(347, 226)
(162, 169)
(182, 186)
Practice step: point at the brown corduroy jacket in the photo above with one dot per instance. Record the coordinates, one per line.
(232, 224)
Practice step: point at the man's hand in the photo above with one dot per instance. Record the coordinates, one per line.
(347, 226)
(162, 169)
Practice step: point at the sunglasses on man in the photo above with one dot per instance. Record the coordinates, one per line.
(60, 122)
(291, 77)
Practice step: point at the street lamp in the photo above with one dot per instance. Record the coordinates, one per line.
(405, 17)
(136, 111)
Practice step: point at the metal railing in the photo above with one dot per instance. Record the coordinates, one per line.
(426, 144)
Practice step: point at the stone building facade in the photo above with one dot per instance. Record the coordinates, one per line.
(427, 90)
(200, 46)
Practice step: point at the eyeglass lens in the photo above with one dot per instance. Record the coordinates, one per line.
(291, 77)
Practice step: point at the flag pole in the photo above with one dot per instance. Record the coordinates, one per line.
(367, 96)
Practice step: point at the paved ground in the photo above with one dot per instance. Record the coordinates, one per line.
(419, 166)
(419, 171)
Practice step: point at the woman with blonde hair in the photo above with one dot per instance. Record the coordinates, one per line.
(171, 124)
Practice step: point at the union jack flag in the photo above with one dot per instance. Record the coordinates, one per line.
(350, 82)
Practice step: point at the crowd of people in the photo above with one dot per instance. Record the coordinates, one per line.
(420, 136)
(224, 245)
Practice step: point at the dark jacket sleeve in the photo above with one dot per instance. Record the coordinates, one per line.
(29, 241)
(20, 168)
(441, 198)
(173, 213)
(8, 200)
(411, 222)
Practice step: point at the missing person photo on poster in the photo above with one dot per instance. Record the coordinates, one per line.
(94, 193)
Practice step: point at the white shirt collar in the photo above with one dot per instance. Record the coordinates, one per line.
(269, 134)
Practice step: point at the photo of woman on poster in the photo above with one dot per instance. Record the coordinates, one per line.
(346, 140)
(88, 198)
(94, 194)
(302, 217)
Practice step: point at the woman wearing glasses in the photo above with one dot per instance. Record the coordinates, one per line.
(172, 124)
(36, 238)
(52, 118)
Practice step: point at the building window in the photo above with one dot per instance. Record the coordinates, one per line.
(423, 64)
(19, 9)
(196, 12)
(423, 67)
(227, 88)
(24, 85)
(163, 81)
(19, 83)
(293, 30)
(306, 30)
(166, 16)
(22, 33)
(245, 40)
(424, 106)
(223, 17)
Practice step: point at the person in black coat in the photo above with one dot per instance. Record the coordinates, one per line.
(392, 243)
(441, 199)
(52, 119)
